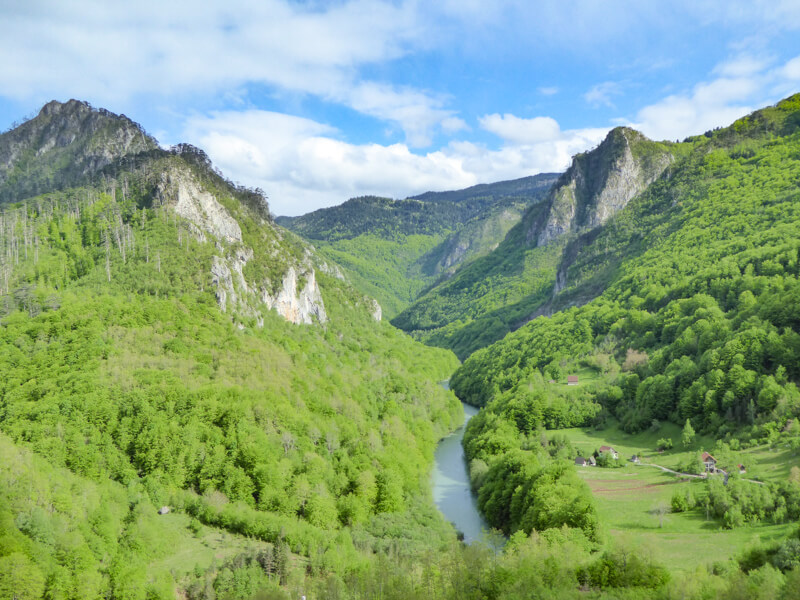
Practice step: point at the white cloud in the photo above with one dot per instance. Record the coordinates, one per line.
(110, 52)
(741, 66)
(600, 94)
(518, 160)
(548, 90)
(302, 166)
(791, 70)
(521, 131)
(745, 83)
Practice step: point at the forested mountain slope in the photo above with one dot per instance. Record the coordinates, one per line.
(699, 294)
(163, 342)
(394, 249)
(493, 295)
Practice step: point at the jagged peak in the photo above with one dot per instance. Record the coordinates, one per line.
(599, 183)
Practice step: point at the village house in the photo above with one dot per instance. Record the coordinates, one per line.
(585, 462)
(610, 450)
(572, 380)
(742, 470)
(710, 462)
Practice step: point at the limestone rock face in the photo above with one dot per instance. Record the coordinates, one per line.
(199, 207)
(376, 312)
(600, 183)
(298, 305)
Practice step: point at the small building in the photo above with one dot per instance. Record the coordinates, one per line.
(635, 458)
(585, 462)
(164, 510)
(592, 462)
(742, 470)
(572, 380)
(710, 462)
(610, 450)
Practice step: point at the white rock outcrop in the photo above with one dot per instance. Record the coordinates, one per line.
(298, 306)
(200, 208)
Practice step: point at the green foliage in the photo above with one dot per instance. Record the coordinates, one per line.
(687, 436)
(393, 250)
(118, 365)
(704, 280)
(622, 568)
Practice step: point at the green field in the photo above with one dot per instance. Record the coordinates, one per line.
(208, 547)
(628, 497)
(627, 500)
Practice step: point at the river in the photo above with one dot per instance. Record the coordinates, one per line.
(451, 489)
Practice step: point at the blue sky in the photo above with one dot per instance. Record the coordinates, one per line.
(316, 102)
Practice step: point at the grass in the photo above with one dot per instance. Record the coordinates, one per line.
(626, 501)
(643, 444)
(767, 464)
(210, 546)
(627, 497)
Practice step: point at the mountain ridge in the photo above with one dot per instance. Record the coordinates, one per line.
(408, 245)
(491, 296)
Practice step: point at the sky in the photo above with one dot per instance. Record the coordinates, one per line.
(317, 102)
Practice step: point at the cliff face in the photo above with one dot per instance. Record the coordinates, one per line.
(63, 145)
(297, 297)
(600, 183)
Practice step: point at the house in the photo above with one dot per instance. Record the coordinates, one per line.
(585, 462)
(742, 470)
(164, 510)
(635, 458)
(709, 461)
(610, 450)
(572, 380)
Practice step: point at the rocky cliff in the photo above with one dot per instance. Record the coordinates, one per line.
(599, 183)
(295, 295)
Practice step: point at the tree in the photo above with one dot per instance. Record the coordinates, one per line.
(688, 434)
(20, 578)
(661, 509)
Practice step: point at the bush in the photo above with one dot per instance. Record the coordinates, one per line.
(679, 503)
(622, 568)
(664, 444)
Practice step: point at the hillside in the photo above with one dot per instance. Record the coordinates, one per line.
(495, 294)
(694, 287)
(164, 343)
(392, 250)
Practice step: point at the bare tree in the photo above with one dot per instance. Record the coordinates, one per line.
(660, 509)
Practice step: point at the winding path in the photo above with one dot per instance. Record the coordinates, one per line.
(668, 470)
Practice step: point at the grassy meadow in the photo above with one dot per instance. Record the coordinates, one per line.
(628, 498)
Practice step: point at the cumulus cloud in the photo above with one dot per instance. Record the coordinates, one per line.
(745, 83)
(111, 52)
(519, 130)
(303, 166)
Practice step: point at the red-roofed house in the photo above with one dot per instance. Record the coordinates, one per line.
(709, 461)
(572, 380)
(610, 450)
